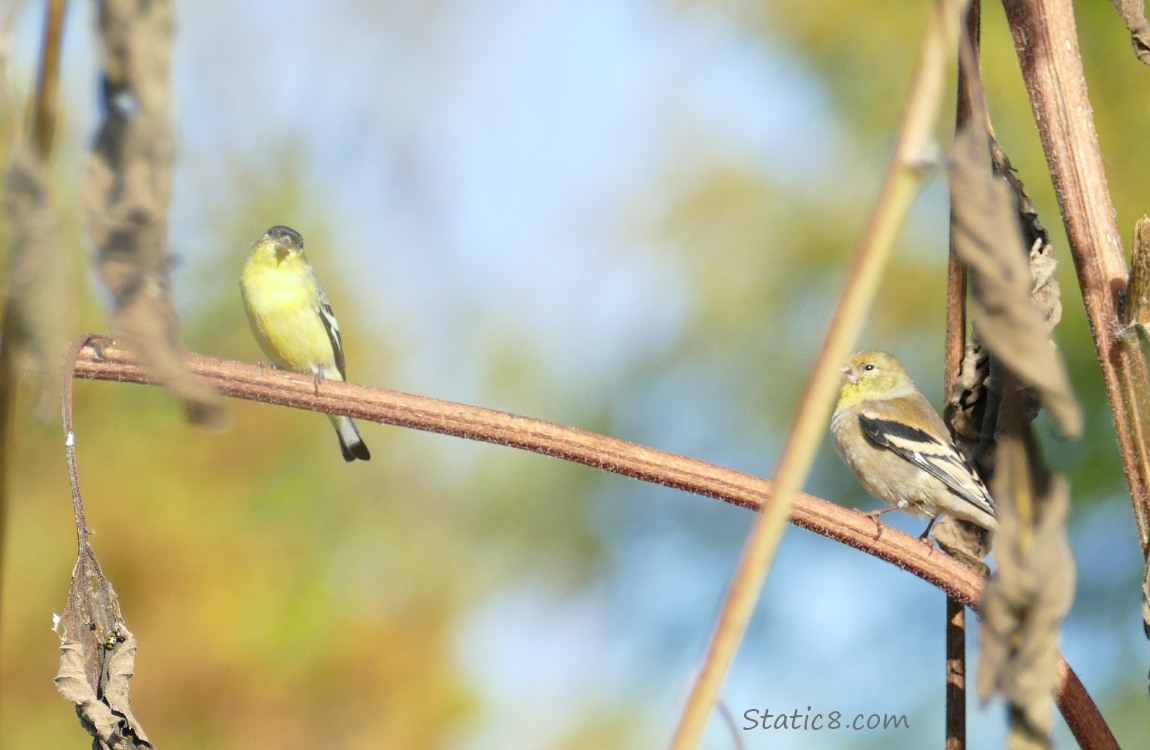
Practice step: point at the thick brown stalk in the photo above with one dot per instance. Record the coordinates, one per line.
(1046, 39)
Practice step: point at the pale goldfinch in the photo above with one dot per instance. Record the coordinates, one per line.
(898, 447)
(292, 319)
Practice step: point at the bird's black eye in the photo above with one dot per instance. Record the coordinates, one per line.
(868, 368)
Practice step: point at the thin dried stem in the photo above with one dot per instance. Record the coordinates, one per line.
(907, 170)
(955, 674)
(955, 348)
(48, 78)
(70, 448)
(97, 650)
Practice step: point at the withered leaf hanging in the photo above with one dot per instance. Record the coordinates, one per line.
(986, 235)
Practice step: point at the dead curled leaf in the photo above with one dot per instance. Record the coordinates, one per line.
(110, 719)
(1015, 305)
(963, 541)
(967, 399)
(97, 658)
(127, 190)
(1026, 600)
(985, 234)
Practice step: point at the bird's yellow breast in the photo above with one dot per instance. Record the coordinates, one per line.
(282, 304)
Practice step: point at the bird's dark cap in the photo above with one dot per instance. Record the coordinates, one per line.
(282, 234)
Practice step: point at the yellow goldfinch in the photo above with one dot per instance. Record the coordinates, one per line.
(292, 319)
(898, 447)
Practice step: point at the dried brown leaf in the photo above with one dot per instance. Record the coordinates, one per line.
(972, 408)
(127, 191)
(71, 679)
(1045, 291)
(1033, 232)
(97, 657)
(985, 233)
(121, 665)
(963, 541)
(967, 398)
(1032, 589)
(98, 652)
(973, 405)
(1132, 14)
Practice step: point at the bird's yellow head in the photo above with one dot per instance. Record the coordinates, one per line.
(278, 244)
(871, 375)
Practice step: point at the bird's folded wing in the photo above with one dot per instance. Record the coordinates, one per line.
(940, 459)
(331, 326)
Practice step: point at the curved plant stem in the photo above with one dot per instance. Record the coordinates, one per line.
(102, 359)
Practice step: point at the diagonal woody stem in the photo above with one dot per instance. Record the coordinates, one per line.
(1046, 40)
